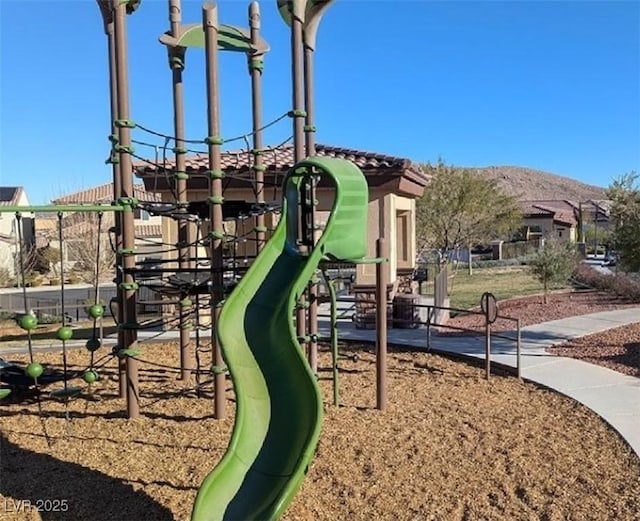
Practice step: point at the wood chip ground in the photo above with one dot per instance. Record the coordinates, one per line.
(450, 446)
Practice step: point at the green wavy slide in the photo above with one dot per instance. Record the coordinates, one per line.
(278, 402)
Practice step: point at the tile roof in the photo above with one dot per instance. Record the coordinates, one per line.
(560, 211)
(281, 158)
(9, 195)
(601, 206)
(554, 204)
(78, 224)
(529, 209)
(104, 194)
(378, 168)
(565, 218)
(148, 230)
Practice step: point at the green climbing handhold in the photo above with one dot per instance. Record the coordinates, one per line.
(128, 352)
(34, 370)
(90, 376)
(65, 333)
(28, 322)
(96, 311)
(93, 344)
(4, 392)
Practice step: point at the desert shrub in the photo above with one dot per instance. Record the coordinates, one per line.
(44, 318)
(622, 285)
(7, 315)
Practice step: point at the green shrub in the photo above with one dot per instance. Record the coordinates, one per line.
(7, 315)
(49, 319)
(554, 264)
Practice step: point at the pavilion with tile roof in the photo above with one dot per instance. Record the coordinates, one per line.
(394, 185)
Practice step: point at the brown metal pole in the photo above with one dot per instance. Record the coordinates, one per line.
(381, 326)
(107, 14)
(518, 347)
(487, 349)
(176, 62)
(310, 143)
(126, 197)
(297, 73)
(309, 105)
(256, 65)
(216, 232)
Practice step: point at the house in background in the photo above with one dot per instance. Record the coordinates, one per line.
(546, 219)
(596, 215)
(562, 219)
(394, 185)
(9, 247)
(76, 226)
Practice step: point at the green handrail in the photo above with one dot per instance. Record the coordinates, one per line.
(65, 208)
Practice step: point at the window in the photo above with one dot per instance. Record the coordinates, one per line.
(143, 215)
(560, 232)
(403, 238)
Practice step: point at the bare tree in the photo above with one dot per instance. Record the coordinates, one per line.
(26, 261)
(88, 245)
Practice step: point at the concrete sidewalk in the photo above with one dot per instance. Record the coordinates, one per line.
(613, 396)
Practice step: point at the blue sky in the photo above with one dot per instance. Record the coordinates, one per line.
(547, 85)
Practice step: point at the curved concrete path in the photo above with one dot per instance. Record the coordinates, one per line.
(613, 396)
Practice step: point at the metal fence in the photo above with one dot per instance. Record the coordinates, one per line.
(433, 321)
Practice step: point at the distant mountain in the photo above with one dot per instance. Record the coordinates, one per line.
(529, 184)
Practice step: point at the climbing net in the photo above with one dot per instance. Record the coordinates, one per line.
(239, 229)
(184, 287)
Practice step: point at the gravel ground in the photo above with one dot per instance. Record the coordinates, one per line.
(450, 446)
(617, 349)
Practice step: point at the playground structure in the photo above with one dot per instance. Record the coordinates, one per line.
(285, 266)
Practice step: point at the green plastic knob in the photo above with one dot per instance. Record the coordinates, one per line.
(65, 333)
(34, 370)
(90, 376)
(28, 322)
(96, 311)
(93, 344)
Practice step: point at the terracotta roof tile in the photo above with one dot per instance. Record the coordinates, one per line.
(554, 204)
(104, 194)
(561, 212)
(80, 224)
(148, 230)
(530, 209)
(565, 218)
(281, 158)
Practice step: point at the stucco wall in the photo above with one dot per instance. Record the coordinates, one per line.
(550, 229)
